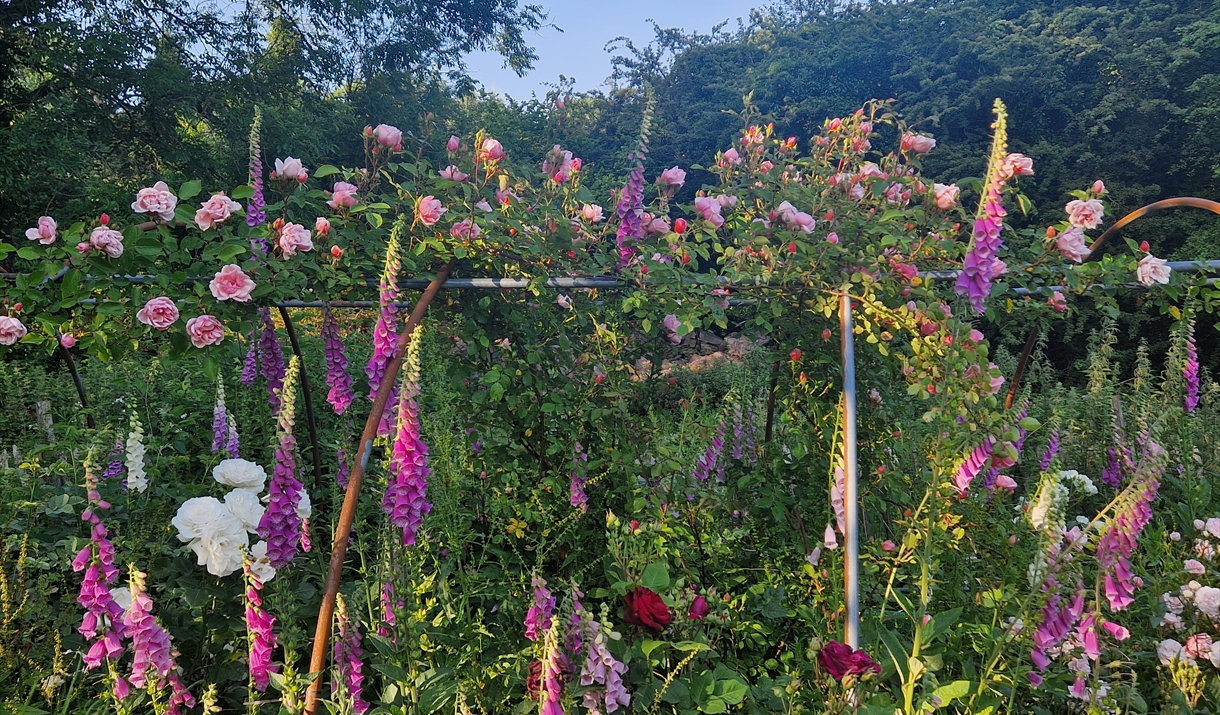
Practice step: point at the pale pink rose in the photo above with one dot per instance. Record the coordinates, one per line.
(918, 143)
(159, 312)
(832, 238)
(1006, 482)
(870, 170)
(1058, 302)
(976, 336)
(1207, 600)
(429, 210)
(856, 192)
(1085, 214)
(1099, 188)
(1169, 650)
(44, 233)
(11, 330)
(344, 195)
(205, 330)
(107, 240)
(453, 144)
(995, 382)
(1212, 526)
(671, 324)
(1198, 646)
(1194, 567)
(215, 210)
(465, 229)
(388, 136)
(483, 206)
(157, 201)
(726, 201)
(946, 195)
(1200, 525)
(672, 177)
(232, 284)
(490, 150)
(67, 340)
(289, 168)
(294, 237)
(709, 210)
(321, 226)
(1153, 270)
(1071, 244)
(658, 226)
(803, 221)
(453, 174)
(731, 157)
(592, 213)
(1017, 165)
(1175, 536)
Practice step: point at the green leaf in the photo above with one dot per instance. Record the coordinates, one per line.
(325, 170)
(28, 253)
(228, 253)
(375, 220)
(189, 190)
(656, 577)
(243, 192)
(952, 691)
(649, 645)
(731, 691)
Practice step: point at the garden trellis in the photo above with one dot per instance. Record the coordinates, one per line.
(767, 253)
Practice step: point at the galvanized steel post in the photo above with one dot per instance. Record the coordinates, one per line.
(851, 492)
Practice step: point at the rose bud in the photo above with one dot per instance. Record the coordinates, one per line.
(336, 252)
(679, 225)
(105, 219)
(67, 340)
(795, 355)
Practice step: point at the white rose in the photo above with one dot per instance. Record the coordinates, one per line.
(196, 516)
(1207, 600)
(260, 565)
(244, 505)
(241, 474)
(122, 596)
(1169, 650)
(220, 549)
(304, 507)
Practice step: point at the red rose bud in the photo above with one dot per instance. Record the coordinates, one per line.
(645, 608)
(599, 378)
(571, 254)
(336, 252)
(67, 340)
(830, 215)
(795, 355)
(302, 177)
(1051, 232)
(1144, 246)
(792, 247)
(576, 164)
(679, 225)
(698, 609)
(105, 219)
(278, 224)
(17, 307)
(685, 258)
(673, 381)
(826, 334)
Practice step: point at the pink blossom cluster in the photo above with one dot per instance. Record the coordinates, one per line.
(1119, 539)
(538, 617)
(348, 660)
(1190, 370)
(260, 633)
(281, 523)
(599, 666)
(153, 654)
(406, 494)
(102, 626)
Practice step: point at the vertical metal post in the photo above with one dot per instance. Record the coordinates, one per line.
(851, 495)
(310, 420)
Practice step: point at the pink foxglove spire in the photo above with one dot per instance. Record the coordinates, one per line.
(406, 491)
(281, 522)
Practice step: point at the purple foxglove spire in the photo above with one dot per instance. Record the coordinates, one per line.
(280, 526)
(1112, 474)
(255, 215)
(273, 359)
(249, 370)
(406, 492)
(982, 264)
(260, 633)
(538, 617)
(115, 466)
(631, 205)
(553, 662)
(974, 463)
(1052, 450)
(340, 395)
(220, 421)
(713, 457)
(385, 337)
(1120, 537)
(1191, 370)
(344, 468)
(600, 667)
(349, 682)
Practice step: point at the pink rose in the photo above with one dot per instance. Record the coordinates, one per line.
(1058, 302)
(453, 144)
(11, 330)
(709, 210)
(672, 177)
(465, 229)
(1198, 646)
(918, 143)
(232, 284)
(1071, 244)
(67, 341)
(1168, 651)
(453, 174)
(946, 195)
(1016, 165)
(671, 324)
(871, 171)
(205, 330)
(592, 213)
(1152, 270)
(156, 201)
(160, 312)
(44, 233)
(483, 206)
(215, 210)
(1085, 214)
(388, 136)
(344, 195)
(832, 238)
(726, 201)
(490, 150)
(294, 237)
(730, 157)
(1194, 567)
(429, 210)
(107, 240)
(289, 168)
(1006, 483)
(321, 226)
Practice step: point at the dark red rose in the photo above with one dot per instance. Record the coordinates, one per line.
(533, 682)
(836, 659)
(645, 608)
(698, 609)
(861, 663)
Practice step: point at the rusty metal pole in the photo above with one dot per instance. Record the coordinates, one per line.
(310, 421)
(347, 516)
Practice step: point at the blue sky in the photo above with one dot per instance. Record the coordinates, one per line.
(587, 26)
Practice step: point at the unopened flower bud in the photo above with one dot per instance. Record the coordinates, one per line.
(336, 252)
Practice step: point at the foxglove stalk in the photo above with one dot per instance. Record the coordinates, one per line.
(1191, 370)
(552, 671)
(631, 205)
(385, 338)
(102, 626)
(1058, 619)
(539, 616)
(1120, 537)
(1052, 450)
(115, 466)
(981, 264)
(232, 442)
(978, 457)
(344, 468)
(576, 488)
(739, 433)
(272, 358)
(712, 459)
(153, 653)
(340, 395)
(255, 215)
(249, 370)
(1112, 473)
(137, 480)
(280, 526)
(220, 421)
(349, 682)
(601, 668)
(406, 490)
(260, 633)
